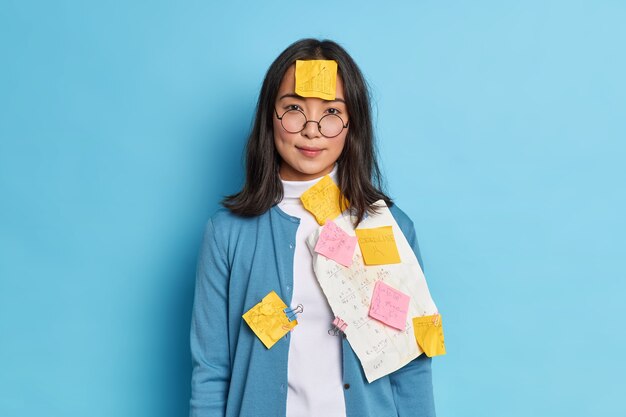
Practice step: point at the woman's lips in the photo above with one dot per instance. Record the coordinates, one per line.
(310, 152)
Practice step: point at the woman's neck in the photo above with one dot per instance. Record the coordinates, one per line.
(294, 189)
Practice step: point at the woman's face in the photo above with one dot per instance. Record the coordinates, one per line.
(308, 154)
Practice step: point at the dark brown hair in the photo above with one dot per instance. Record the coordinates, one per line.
(358, 174)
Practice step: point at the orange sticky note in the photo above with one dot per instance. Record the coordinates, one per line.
(429, 334)
(322, 200)
(316, 78)
(378, 246)
(268, 320)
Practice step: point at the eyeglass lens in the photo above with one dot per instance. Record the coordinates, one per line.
(294, 121)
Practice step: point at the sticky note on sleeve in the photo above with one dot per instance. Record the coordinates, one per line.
(268, 320)
(316, 78)
(389, 305)
(378, 246)
(429, 334)
(334, 243)
(322, 200)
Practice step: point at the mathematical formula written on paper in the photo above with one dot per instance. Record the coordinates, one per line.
(381, 347)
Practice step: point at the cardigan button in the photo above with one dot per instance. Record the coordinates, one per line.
(346, 386)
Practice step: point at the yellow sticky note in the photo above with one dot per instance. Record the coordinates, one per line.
(378, 246)
(268, 320)
(322, 200)
(316, 78)
(429, 334)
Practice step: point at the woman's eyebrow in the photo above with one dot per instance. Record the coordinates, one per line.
(292, 95)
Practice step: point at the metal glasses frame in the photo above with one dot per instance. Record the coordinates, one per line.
(319, 127)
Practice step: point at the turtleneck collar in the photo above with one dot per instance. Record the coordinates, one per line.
(292, 190)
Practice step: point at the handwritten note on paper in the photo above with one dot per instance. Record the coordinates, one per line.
(378, 245)
(268, 320)
(322, 200)
(389, 305)
(381, 349)
(429, 334)
(336, 244)
(316, 78)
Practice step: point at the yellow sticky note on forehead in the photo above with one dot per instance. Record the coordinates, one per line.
(428, 332)
(378, 245)
(316, 78)
(322, 200)
(268, 320)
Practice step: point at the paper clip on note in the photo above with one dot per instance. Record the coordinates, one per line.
(292, 312)
(339, 326)
(271, 319)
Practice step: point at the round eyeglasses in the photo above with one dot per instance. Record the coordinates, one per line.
(294, 121)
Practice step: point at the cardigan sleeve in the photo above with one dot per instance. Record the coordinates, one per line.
(412, 385)
(209, 332)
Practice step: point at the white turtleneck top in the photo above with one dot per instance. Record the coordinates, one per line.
(314, 365)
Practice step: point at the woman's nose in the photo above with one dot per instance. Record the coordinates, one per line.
(311, 129)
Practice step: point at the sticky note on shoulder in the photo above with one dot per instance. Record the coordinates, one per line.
(334, 243)
(316, 78)
(429, 334)
(389, 305)
(322, 200)
(268, 320)
(378, 245)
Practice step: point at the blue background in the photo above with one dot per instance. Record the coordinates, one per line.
(501, 131)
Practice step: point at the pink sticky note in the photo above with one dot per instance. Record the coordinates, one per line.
(389, 305)
(336, 244)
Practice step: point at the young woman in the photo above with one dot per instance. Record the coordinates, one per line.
(256, 244)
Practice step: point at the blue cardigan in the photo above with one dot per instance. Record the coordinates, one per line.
(234, 375)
